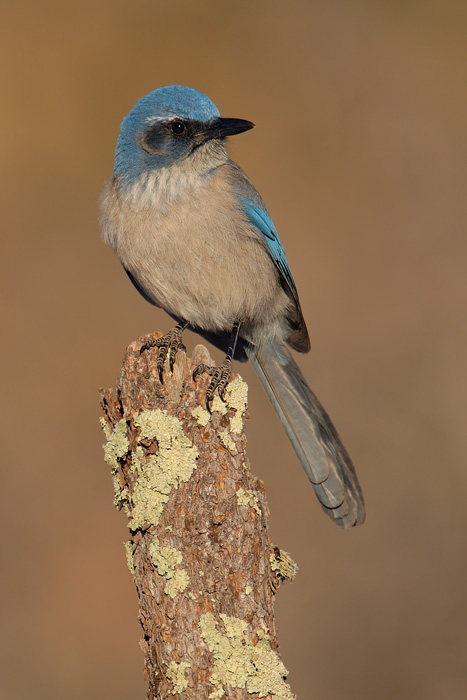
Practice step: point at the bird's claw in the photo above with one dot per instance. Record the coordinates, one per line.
(169, 344)
(220, 378)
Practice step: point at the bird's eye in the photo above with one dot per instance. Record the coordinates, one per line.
(178, 128)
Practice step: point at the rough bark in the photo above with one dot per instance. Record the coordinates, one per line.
(205, 569)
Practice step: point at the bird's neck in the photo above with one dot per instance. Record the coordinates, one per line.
(161, 187)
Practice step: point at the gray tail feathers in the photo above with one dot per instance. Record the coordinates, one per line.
(311, 432)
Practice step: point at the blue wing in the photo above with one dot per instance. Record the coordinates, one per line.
(259, 217)
(255, 211)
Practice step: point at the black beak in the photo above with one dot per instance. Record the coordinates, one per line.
(220, 128)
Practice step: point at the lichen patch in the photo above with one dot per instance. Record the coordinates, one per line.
(283, 565)
(129, 556)
(176, 674)
(218, 405)
(177, 583)
(115, 448)
(158, 474)
(227, 441)
(239, 663)
(246, 497)
(117, 444)
(201, 415)
(236, 397)
(166, 559)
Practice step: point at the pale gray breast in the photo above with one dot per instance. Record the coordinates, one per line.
(194, 253)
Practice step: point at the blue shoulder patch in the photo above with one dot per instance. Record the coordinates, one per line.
(261, 220)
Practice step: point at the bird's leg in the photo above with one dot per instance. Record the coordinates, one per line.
(168, 344)
(220, 375)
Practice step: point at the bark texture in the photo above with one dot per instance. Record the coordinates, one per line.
(205, 569)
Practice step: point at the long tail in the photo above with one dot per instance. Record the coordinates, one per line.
(311, 432)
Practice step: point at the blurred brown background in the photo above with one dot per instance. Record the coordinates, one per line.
(360, 154)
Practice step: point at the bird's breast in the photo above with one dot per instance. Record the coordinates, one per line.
(189, 246)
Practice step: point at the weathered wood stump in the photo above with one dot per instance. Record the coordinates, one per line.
(205, 569)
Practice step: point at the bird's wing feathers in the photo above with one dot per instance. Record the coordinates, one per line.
(256, 213)
(259, 217)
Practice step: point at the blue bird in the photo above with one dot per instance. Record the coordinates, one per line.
(195, 239)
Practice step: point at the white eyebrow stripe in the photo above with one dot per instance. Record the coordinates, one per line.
(155, 120)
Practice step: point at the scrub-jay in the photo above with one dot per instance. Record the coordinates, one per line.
(195, 239)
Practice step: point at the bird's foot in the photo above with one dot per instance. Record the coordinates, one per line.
(220, 378)
(169, 344)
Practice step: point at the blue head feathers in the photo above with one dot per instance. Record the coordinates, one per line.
(169, 102)
(160, 107)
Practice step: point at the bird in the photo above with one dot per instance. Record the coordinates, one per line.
(196, 240)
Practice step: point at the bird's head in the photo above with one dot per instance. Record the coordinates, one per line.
(169, 125)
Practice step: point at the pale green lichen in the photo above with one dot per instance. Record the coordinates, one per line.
(105, 427)
(117, 444)
(218, 693)
(121, 493)
(174, 463)
(176, 673)
(234, 627)
(270, 673)
(231, 666)
(115, 448)
(236, 397)
(218, 405)
(137, 460)
(263, 632)
(227, 440)
(248, 590)
(191, 595)
(177, 583)
(283, 565)
(202, 416)
(165, 558)
(245, 496)
(239, 663)
(129, 556)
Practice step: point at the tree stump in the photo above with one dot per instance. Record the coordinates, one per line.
(205, 570)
